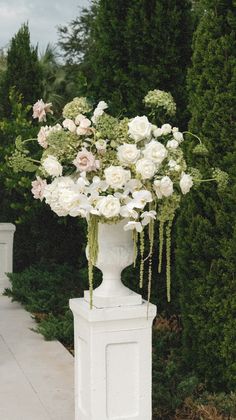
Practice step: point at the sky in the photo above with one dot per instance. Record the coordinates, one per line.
(43, 17)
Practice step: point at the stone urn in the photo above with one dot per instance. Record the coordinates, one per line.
(115, 253)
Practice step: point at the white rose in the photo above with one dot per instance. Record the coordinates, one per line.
(109, 206)
(140, 128)
(155, 151)
(166, 129)
(69, 124)
(157, 132)
(128, 153)
(52, 166)
(178, 136)
(163, 187)
(116, 176)
(172, 144)
(101, 145)
(146, 168)
(174, 129)
(186, 183)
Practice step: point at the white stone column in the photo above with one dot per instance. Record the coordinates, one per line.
(6, 253)
(113, 363)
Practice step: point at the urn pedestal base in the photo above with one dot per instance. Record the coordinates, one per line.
(113, 361)
(99, 301)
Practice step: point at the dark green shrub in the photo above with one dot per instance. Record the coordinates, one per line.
(47, 288)
(206, 236)
(59, 328)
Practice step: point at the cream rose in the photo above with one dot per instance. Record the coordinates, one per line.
(163, 187)
(140, 128)
(186, 183)
(155, 151)
(116, 176)
(178, 136)
(128, 153)
(146, 168)
(109, 206)
(52, 166)
(172, 144)
(166, 129)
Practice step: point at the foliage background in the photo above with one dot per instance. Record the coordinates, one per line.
(117, 51)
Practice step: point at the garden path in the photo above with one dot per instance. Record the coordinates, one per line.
(36, 376)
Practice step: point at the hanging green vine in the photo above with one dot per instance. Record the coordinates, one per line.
(168, 257)
(161, 242)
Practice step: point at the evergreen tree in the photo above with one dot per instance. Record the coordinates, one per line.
(131, 47)
(23, 70)
(206, 242)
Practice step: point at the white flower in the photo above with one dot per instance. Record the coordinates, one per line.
(101, 145)
(157, 132)
(140, 199)
(173, 165)
(132, 185)
(72, 201)
(52, 166)
(140, 128)
(178, 136)
(146, 168)
(155, 151)
(163, 187)
(116, 176)
(128, 153)
(69, 124)
(97, 185)
(84, 125)
(174, 129)
(133, 226)
(186, 183)
(102, 105)
(147, 216)
(172, 144)
(109, 206)
(127, 212)
(166, 129)
(99, 111)
(53, 191)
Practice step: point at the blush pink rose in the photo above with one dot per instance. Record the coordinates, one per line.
(84, 125)
(86, 161)
(38, 187)
(40, 109)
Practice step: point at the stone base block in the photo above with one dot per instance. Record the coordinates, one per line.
(113, 361)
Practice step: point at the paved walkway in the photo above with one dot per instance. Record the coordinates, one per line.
(36, 376)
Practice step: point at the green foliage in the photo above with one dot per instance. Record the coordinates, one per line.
(171, 385)
(23, 70)
(47, 288)
(58, 328)
(206, 239)
(124, 49)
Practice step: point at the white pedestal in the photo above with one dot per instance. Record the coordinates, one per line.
(113, 361)
(6, 253)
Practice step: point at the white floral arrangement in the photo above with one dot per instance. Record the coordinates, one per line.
(106, 169)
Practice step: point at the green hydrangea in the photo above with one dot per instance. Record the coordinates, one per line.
(64, 145)
(160, 99)
(77, 106)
